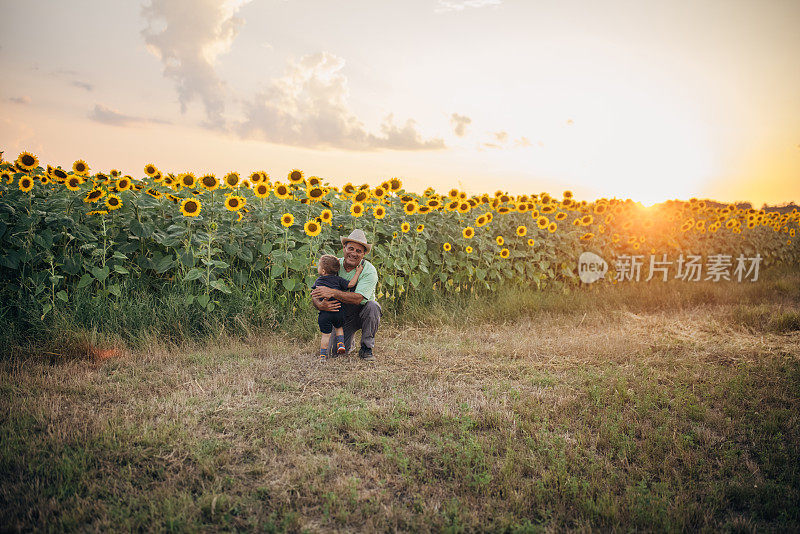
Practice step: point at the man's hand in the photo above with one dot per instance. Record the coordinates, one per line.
(322, 292)
(327, 305)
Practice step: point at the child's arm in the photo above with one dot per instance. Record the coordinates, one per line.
(354, 281)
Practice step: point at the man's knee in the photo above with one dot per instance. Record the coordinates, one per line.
(372, 309)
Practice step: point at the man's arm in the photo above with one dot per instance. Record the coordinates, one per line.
(345, 297)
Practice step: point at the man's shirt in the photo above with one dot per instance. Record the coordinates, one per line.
(366, 282)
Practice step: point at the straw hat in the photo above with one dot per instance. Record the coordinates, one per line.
(357, 236)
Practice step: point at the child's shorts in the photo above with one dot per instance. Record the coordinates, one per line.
(329, 320)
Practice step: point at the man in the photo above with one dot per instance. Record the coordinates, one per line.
(362, 311)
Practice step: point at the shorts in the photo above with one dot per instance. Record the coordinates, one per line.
(329, 320)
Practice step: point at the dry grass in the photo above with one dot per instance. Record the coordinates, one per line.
(668, 420)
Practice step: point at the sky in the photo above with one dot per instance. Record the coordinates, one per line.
(622, 98)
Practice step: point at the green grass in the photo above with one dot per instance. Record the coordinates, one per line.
(669, 409)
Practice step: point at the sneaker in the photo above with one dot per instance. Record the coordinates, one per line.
(366, 354)
(340, 348)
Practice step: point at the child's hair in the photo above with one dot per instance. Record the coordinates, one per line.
(329, 264)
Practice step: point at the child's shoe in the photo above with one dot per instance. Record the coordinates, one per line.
(323, 355)
(340, 348)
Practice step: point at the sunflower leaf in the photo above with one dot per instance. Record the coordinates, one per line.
(62, 295)
(121, 270)
(219, 285)
(85, 280)
(100, 274)
(193, 274)
(115, 290)
(288, 284)
(202, 300)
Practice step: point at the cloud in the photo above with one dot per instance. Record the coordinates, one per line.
(501, 140)
(444, 6)
(20, 99)
(308, 107)
(106, 115)
(188, 36)
(83, 85)
(460, 123)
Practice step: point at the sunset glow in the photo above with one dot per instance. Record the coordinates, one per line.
(650, 101)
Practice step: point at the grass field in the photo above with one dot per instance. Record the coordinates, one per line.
(669, 409)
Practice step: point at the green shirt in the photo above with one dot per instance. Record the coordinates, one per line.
(366, 282)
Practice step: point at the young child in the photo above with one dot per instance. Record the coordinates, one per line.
(328, 268)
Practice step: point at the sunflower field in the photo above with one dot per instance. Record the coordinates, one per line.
(73, 232)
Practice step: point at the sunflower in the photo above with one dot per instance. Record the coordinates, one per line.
(315, 193)
(113, 202)
(234, 202)
(81, 168)
(239, 215)
(531, 242)
(468, 232)
(349, 188)
(312, 228)
(481, 220)
(542, 222)
(409, 208)
(552, 227)
(190, 207)
(27, 161)
(153, 193)
(282, 191)
(124, 183)
(357, 209)
(561, 215)
(422, 210)
(395, 184)
(25, 184)
(7, 177)
(209, 181)
(405, 227)
(468, 250)
(361, 196)
(434, 203)
(295, 176)
(521, 230)
(255, 177)
(261, 190)
(151, 170)
(453, 193)
(500, 241)
(287, 219)
(232, 180)
(447, 246)
(379, 192)
(73, 183)
(94, 195)
(463, 207)
(587, 236)
(246, 184)
(379, 212)
(60, 175)
(187, 179)
(420, 228)
(313, 181)
(504, 253)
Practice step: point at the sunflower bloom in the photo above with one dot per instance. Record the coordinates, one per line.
(187, 179)
(379, 212)
(209, 181)
(123, 184)
(190, 207)
(282, 191)
(409, 208)
(504, 253)
(447, 246)
(113, 202)
(326, 216)
(521, 230)
(25, 184)
(468, 250)
(500, 241)
(94, 195)
(468, 232)
(150, 170)
(295, 176)
(80, 168)
(531, 242)
(27, 161)
(395, 184)
(420, 228)
(232, 180)
(287, 219)
(587, 236)
(234, 203)
(405, 227)
(552, 227)
(357, 209)
(73, 183)
(312, 228)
